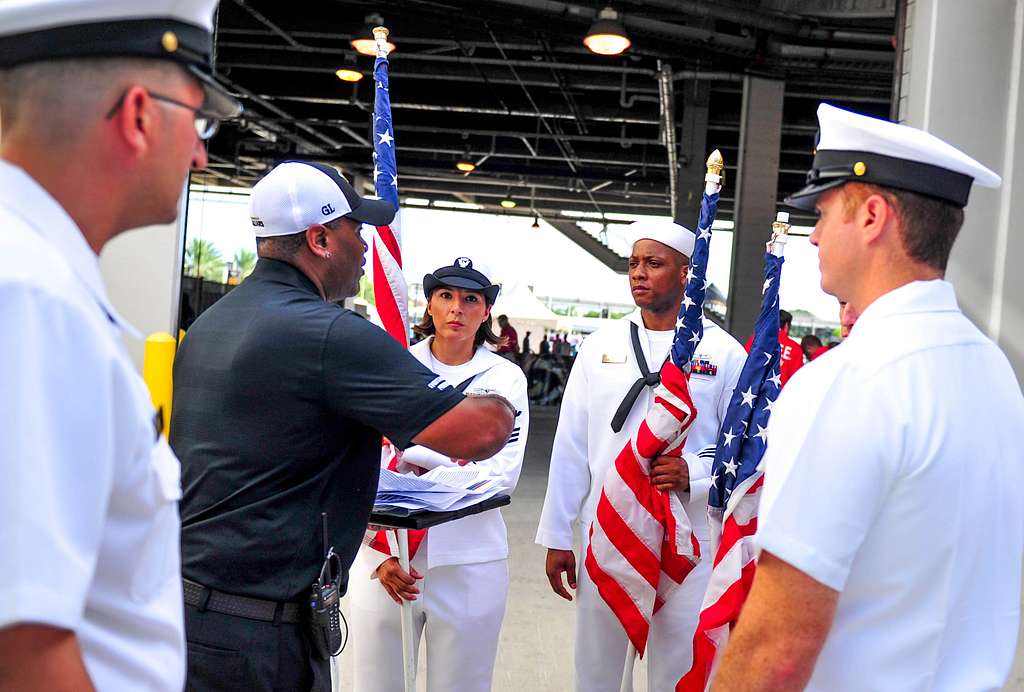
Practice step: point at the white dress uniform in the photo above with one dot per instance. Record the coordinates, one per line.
(910, 508)
(464, 563)
(88, 514)
(585, 447)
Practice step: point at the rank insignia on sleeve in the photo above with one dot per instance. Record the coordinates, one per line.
(702, 365)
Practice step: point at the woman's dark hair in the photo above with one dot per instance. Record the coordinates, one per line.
(426, 327)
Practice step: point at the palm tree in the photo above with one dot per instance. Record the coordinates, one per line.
(202, 258)
(245, 262)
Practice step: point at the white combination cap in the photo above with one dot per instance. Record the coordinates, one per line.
(177, 30)
(855, 147)
(297, 194)
(679, 238)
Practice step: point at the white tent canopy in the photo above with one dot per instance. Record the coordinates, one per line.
(525, 311)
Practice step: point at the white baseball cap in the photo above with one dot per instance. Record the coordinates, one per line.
(297, 194)
(679, 238)
(855, 147)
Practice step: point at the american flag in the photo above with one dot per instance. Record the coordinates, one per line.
(641, 543)
(389, 287)
(736, 485)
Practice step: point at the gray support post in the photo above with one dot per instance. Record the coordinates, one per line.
(693, 150)
(757, 177)
(974, 99)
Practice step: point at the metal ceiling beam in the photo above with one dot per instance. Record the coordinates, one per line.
(399, 58)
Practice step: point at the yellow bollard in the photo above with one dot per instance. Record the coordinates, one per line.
(157, 366)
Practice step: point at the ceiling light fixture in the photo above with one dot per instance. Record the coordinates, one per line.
(347, 74)
(508, 204)
(536, 222)
(364, 43)
(607, 36)
(466, 166)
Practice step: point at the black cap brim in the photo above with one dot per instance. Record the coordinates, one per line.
(431, 283)
(376, 212)
(807, 197)
(216, 99)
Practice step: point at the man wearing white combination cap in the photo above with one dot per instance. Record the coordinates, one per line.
(890, 526)
(606, 398)
(103, 109)
(280, 401)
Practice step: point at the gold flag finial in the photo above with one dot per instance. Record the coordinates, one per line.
(384, 46)
(716, 166)
(780, 234)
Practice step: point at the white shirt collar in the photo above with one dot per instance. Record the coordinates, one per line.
(44, 215)
(482, 359)
(636, 317)
(917, 296)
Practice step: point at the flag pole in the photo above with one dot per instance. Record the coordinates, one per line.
(627, 669)
(397, 325)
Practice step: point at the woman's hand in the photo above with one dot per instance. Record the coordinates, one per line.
(397, 582)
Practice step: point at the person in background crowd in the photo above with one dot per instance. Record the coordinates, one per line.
(890, 526)
(458, 580)
(509, 346)
(105, 106)
(280, 400)
(598, 417)
(809, 344)
(847, 318)
(792, 354)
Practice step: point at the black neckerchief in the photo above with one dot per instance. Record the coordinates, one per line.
(647, 379)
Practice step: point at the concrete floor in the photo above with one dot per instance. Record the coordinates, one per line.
(535, 653)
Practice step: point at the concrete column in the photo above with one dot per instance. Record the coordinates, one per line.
(693, 141)
(142, 273)
(757, 177)
(962, 81)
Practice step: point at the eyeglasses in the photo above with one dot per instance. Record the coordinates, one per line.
(206, 125)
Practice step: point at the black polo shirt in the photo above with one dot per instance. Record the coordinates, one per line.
(280, 401)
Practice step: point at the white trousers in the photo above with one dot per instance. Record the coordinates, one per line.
(459, 611)
(601, 641)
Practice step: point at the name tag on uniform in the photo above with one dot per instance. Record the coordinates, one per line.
(703, 365)
(613, 358)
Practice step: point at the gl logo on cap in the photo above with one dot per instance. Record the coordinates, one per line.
(464, 263)
(327, 209)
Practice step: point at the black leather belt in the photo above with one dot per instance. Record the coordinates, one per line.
(203, 598)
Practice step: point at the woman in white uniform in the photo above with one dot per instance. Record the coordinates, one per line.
(458, 580)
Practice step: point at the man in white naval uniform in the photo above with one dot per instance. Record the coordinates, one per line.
(104, 108)
(606, 369)
(891, 528)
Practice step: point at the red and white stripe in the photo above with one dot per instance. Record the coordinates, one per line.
(731, 576)
(391, 294)
(389, 287)
(641, 543)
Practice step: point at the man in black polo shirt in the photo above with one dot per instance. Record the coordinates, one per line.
(280, 401)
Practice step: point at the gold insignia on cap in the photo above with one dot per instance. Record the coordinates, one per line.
(860, 168)
(169, 41)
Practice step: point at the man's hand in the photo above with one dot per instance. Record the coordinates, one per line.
(397, 582)
(559, 561)
(670, 473)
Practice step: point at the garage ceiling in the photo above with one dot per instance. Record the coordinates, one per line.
(509, 85)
